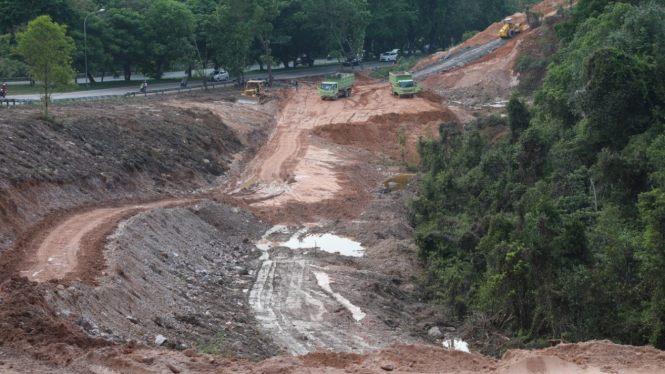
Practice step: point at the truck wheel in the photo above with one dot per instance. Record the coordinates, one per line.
(511, 33)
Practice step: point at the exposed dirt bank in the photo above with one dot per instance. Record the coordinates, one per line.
(475, 83)
(149, 287)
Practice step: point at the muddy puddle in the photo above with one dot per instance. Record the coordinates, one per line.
(301, 240)
(398, 182)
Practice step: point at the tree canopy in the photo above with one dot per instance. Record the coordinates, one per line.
(557, 230)
(152, 36)
(46, 47)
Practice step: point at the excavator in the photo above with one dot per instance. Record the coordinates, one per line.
(509, 29)
(253, 93)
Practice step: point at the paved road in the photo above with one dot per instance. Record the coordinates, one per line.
(280, 75)
(168, 75)
(460, 58)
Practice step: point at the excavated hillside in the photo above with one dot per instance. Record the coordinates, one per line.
(195, 234)
(478, 74)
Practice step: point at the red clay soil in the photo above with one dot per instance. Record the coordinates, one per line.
(489, 78)
(595, 357)
(547, 7)
(317, 163)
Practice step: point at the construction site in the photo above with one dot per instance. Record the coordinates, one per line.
(196, 233)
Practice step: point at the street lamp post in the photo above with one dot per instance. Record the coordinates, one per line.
(85, 43)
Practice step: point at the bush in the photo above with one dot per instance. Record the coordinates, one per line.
(468, 35)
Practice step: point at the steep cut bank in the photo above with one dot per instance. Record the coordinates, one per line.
(480, 72)
(96, 154)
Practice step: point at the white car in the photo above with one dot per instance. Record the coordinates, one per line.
(219, 75)
(389, 56)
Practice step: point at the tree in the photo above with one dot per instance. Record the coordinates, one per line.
(343, 20)
(267, 11)
(9, 66)
(46, 47)
(172, 27)
(14, 13)
(518, 116)
(100, 35)
(129, 44)
(231, 33)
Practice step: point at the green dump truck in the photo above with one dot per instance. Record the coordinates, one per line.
(336, 85)
(402, 84)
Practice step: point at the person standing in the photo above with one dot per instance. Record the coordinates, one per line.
(296, 86)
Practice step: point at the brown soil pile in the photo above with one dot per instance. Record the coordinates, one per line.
(586, 358)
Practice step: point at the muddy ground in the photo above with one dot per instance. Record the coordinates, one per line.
(147, 236)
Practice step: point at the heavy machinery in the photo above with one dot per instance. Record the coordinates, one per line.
(509, 28)
(402, 84)
(253, 93)
(336, 85)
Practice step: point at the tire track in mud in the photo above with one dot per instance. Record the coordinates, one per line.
(293, 308)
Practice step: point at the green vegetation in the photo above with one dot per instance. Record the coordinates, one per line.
(46, 48)
(559, 228)
(154, 36)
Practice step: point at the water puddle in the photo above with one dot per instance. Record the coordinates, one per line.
(325, 242)
(456, 344)
(398, 182)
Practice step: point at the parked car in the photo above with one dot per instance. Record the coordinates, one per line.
(389, 56)
(219, 75)
(351, 62)
(302, 60)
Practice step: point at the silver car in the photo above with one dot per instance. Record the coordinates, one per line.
(389, 56)
(219, 75)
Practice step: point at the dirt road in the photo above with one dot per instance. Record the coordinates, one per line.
(58, 254)
(292, 169)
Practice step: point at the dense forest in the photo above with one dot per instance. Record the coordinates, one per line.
(153, 36)
(558, 229)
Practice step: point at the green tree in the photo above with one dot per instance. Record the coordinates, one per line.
(129, 44)
(14, 13)
(266, 11)
(231, 33)
(46, 47)
(518, 116)
(172, 27)
(9, 65)
(344, 21)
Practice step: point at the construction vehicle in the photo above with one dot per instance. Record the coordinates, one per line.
(253, 93)
(509, 28)
(402, 84)
(336, 85)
